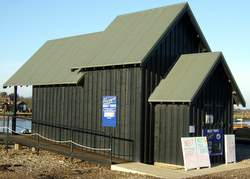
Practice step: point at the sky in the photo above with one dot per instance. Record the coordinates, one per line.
(25, 25)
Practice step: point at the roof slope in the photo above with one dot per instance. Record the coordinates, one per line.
(188, 75)
(127, 40)
(51, 64)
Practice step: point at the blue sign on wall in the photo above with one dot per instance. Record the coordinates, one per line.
(214, 140)
(109, 111)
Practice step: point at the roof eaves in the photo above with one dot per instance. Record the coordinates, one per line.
(233, 82)
(220, 58)
(178, 16)
(106, 65)
(81, 78)
(168, 101)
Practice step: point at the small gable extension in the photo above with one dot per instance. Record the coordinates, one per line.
(189, 75)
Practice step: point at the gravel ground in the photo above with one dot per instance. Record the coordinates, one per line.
(233, 174)
(46, 165)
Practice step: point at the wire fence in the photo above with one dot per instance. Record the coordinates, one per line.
(57, 141)
(105, 151)
(72, 143)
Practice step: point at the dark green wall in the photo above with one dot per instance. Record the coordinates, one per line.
(181, 39)
(171, 123)
(79, 106)
(215, 97)
(58, 109)
(172, 120)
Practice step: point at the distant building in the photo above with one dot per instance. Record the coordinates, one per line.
(22, 106)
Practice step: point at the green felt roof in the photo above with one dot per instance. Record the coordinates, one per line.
(51, 64)
(127, 40)
(187, 77)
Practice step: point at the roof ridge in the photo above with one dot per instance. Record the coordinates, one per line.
(153, 9)
(75, 36)
(188, 54)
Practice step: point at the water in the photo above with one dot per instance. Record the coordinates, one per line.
(21, 124)
(243, 122)
(246, 121)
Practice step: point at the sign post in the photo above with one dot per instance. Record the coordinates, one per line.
(109, 107)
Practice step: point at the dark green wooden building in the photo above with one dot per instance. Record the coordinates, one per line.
(135, 58)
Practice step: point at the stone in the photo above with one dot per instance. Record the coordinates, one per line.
(17, 146)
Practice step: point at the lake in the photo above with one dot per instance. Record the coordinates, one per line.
(21, 124)
(244, 121)
(247, 121)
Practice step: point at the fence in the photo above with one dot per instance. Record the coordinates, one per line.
(108, 152)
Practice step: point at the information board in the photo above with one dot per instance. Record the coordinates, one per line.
(214, 140)
(195, 152)
(230, 155)
(189, 152)
(202, 152)
(109, 111)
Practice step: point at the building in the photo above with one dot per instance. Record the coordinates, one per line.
(22, 106)
(137, 58)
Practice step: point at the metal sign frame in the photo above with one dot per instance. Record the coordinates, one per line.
(215, 141)
(109, 110)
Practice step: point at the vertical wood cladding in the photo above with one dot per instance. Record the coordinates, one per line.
(172, 120)
(214, 98)
(62, 111)
(58, 108)
(180, 40)
(171, 123)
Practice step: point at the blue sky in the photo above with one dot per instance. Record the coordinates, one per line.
(26, 24)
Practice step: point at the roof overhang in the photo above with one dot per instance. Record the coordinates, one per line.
(237, 95)
(217, 58)
(75, 80)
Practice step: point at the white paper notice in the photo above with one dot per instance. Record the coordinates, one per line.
(109, 114)
(195, 152)
(230, 155)
(191, 129)
(202, 152)
(189, 152)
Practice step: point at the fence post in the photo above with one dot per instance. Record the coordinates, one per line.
(38, 146)
(7, 139)
(4, 120)
(133, 150)
(14, 110)
(71, 145)
(110, 146)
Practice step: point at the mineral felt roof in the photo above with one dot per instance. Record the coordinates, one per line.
(187, 77)
(127, 40)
